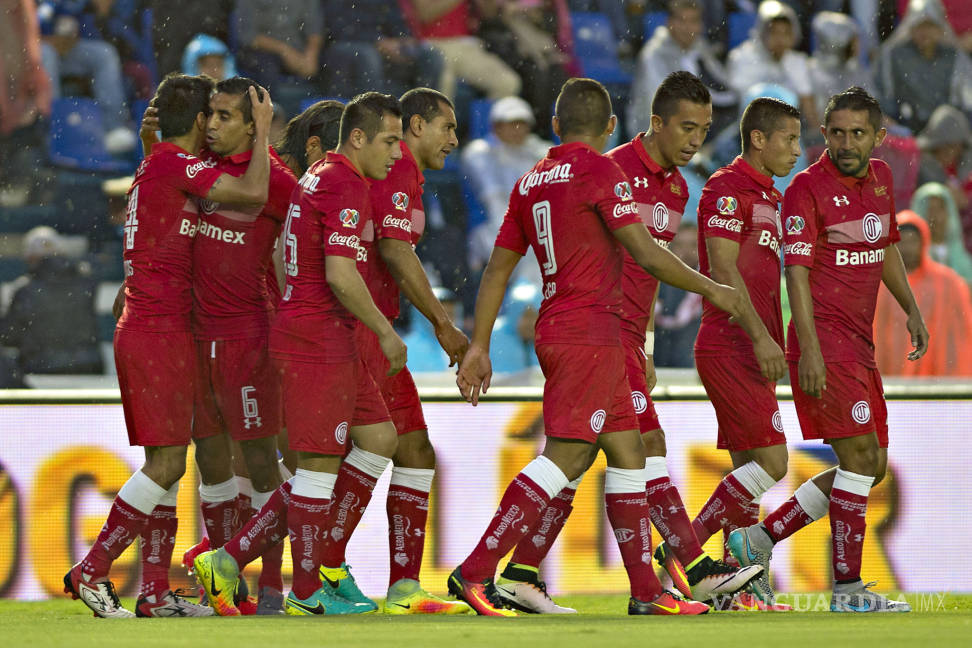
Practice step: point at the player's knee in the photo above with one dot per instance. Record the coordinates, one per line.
(415, 451)
(379, 439)
(261, 464)
(654, 443)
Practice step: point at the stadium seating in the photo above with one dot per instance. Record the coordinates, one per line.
(740, 24)
(479, 118)
(652, 21)
(597, 48)
(76, 139)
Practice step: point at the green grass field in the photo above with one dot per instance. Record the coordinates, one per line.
(936, 621)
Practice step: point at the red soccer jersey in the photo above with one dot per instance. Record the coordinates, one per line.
(231, 256)
(161, 221)
(329, 214)
(396, 202)
(839, 226)
(661, 195)
(740, 204)
(566, 208)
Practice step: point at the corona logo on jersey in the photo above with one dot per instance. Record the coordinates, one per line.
(623, 190)
(349, 217)
(400, 200)
(554, 175)
(727, 205)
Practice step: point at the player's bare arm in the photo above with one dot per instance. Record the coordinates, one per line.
(475, 370)
(253, 186)
(896, 279)
(118, 306)
(148, 131)
(407, 270)
(350, 289)
(723, 255)
(651, 378)
(669, 268)
(811, 369)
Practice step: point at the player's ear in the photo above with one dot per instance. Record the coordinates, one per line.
(656, 123)
(611, 125)
(202, 119)
(757, 139)
(415, 124)
(879, 137)
(312, 145)
(555, 125)
(358, 138)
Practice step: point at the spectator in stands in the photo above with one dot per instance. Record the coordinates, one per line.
(768, 57)
(864, 12)
(618, 17)
(119, 23)
(945, 303)
(371, 48)
(836, 63)
(680, 44)
(280, 42)
(208, 55)
(946, 152)
(921, 67)
(25, 97)
(959, 14)
(492, 166)
(678, 313)
(176, 22)
(934, 202)
(68, 52)
(51, 320)
(446, 25)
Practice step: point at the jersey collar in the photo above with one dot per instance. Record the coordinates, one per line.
(563, 149)
(338, 158)
(653, 167)
(741, 165)
(851, 182)
(169, 147)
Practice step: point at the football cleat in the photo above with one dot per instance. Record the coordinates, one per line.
(665, 557)
(323, 601)
(712, 578)
(529, 597)
(856, 597)
(668, 604)
(270, 602)
(746, 601)
(219, 576)
(170, 604)
(481, 597)
(190, 555)
(406, 596)
(751, 546)
(100, 597)
(342, 584)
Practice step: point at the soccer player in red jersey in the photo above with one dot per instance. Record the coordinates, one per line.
(429, 128)
(681, 116)
(157, 388)
(328, 394)
(574, 208)
(740, 234)
(839, 246)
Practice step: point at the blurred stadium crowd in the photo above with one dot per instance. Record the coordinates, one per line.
(78, 74)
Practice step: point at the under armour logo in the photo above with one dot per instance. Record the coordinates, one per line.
(253, 422)
(641, 183)
(843, 200)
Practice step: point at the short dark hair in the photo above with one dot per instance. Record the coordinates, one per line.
(366, 111)
(678, 86)
(179, 99)
(681, 5)
(583, 107)
(322, 119)
(240, 87)
(764, 114)
(424, 102)
(856, 98)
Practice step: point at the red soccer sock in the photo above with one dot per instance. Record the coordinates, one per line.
(727, 505)
(352, 494)
(628, 514)
(263, 530)
(749, 517)
(668, 515)
(156, 542)
(307, 519)
(123, 525)
(271, 574)
(408, 510)
(222, 520)
(848, 506)
(805, 506)
(521, 507)
(535, 546)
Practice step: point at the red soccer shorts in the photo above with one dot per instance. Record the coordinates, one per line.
(744, 401)
(635, 364)
(852, 405)
(155, 375)
(322, 401)
(237, 390)
(586, 393)
(398, 391)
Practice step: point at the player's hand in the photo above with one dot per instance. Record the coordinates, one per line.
(728, 299)
(769, 355)
(453, 341)
(651, 379)
(475, 372)
(150, 123)
(919, 335)
(394, 350)
(262, 108)
(812, 373)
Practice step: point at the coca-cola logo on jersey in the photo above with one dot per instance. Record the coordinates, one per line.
(800, 248)
(623, 209)
(559, 173)
(729, 224)
(400, 223)
(348, 240)
(193, 169)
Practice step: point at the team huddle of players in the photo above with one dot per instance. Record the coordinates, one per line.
(210, 348)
